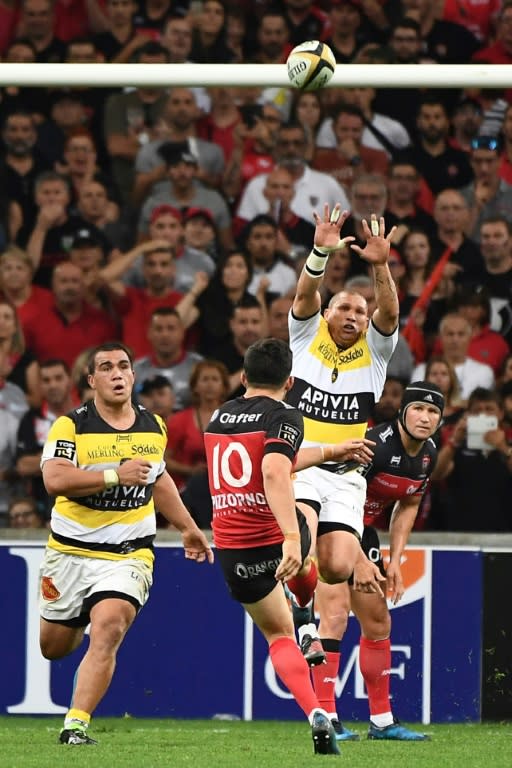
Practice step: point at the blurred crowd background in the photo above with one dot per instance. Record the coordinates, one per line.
(178, 220)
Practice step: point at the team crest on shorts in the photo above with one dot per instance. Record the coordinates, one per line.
(48, 589)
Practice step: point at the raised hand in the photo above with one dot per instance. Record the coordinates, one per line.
(327, 232)
(378, 244)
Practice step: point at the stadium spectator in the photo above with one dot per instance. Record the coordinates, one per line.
(254, 144)
(349, 158)
(466, 473)
(455, 337)
(185, 454)
(177, 126)
(368, 195)
(209, 35)
(70, 324)
(23, 512)
(37, 21)
(68, 112)
(201, 248)
(28, 100)
(119, 40)
(444, 42)
(402, 209)
(277, 318)
(17, 362)
(129, 121)
(220, 120)
(387, 406)
(451, 214)
(150, 17)
(487, 196)
(80, 166)
(17, 288)
(272, 37)
(167, 355)
(305, 21)
(57, 400)
(9, 420)
(495, 244)
(260, 241)
(247, 324)
(345, 37)
(440, 165)
(442, 373)
(182, 191)
(307, 110)
(312, 188)
(227, 288)
(467, 118)
(96, 209)
(486, 346)
(23, 162)
(499, 50)
(157, 396)
(47, 244)
(479, 18)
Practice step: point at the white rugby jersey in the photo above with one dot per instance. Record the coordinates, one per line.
(336, 389)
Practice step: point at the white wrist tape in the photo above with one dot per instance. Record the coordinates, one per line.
(316, 262)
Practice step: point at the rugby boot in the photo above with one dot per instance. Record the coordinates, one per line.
(342, 733)
(395, 732)
(324, 738)
(75, 736)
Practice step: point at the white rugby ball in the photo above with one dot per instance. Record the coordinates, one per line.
(310, 65)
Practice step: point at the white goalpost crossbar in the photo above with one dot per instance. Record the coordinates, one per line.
(255, 75)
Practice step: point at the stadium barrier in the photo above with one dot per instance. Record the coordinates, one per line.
(193, 654)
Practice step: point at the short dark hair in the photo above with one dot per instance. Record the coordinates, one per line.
(108, 346)
(483, 395)
(53, 363)
(165, 312)
(268, 363)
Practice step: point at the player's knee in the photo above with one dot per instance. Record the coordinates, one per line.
(335, 574)
(52, 649)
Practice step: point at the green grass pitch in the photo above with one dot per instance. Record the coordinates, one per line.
(133, 743)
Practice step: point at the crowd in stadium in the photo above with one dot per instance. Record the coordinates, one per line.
(178, 220)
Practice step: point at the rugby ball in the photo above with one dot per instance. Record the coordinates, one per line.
(310, 65)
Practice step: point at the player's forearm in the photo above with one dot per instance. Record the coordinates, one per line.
(279, 494)
(310, 457)
(66, 480)
(386, 298)
(400, 527)
(168, 502)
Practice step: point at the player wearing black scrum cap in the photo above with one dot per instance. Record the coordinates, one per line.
(397, 477)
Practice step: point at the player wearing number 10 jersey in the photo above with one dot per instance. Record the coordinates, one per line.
(262, 540)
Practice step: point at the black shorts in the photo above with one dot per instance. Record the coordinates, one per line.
(371, 547)
(250, 573)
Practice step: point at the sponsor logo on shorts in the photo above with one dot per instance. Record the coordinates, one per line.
(250, 571)
(48, 589)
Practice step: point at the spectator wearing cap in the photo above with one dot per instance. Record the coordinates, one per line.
(157, 395)
(177, 126)
(17, 288)
(70, 324)
(259, 240)
(487, 195)
(36, 23)
(167, 355)
(312, 188)
(49, 241)
(182, 191)
(86, 251)
(467, 118)
(129, 121)
(442, 166)
(201, 247)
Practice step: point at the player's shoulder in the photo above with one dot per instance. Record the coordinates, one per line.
(384, 432)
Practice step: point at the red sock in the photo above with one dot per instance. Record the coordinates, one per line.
(303, 587)
(324, 681)
(375, 663)
(292, 668)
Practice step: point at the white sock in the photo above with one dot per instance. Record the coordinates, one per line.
(307, 629)
(382, 720)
